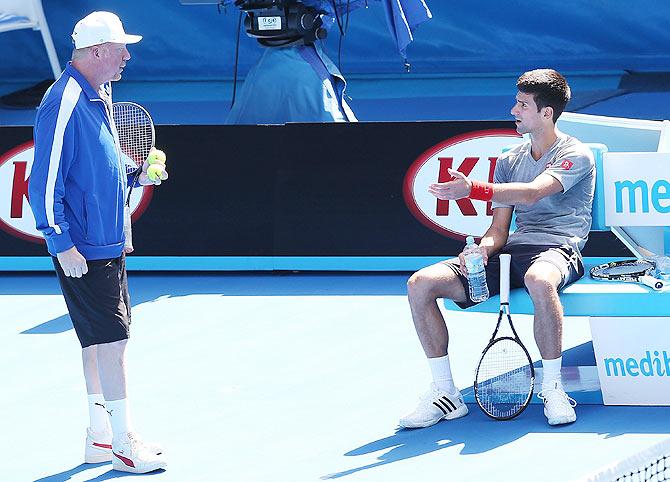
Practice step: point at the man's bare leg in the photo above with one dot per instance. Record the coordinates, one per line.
(542, 280)
(99, 433)
(424, 288)
(112, 370)
(443, 400)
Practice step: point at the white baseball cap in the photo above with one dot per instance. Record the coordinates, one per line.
(100, 27)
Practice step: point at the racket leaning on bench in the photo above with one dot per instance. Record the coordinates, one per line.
(136, 137)
(632, 270)
(505, 375)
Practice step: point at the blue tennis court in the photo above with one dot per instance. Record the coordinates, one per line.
(296, 377)
(271, 334)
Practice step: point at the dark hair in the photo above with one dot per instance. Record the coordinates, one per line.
(548, 88)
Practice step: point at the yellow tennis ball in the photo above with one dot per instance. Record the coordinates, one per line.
(156, 156)
(155, 172)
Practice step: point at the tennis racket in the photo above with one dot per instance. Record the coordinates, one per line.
(505, 374)
(632, 270)
(136, 137)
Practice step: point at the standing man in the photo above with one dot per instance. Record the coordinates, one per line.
(549, 183)
(77, 191)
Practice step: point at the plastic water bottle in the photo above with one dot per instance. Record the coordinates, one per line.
(662, 271)
(474, 262)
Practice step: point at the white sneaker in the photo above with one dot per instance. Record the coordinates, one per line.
(132, 455)
(558, 407)
(434, 406)
(98, 447)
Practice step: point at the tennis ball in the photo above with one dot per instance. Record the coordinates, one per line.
(156, 156)
(155, 172)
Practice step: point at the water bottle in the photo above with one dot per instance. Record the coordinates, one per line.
(474, 262)
(662, 270)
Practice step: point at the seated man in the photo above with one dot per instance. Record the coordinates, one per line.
(549, 183)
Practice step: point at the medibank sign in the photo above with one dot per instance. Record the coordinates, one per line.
(652, 364)
(633, 358)
(637, 188)
(475, 155)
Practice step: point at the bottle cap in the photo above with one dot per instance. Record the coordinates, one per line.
(470, 240)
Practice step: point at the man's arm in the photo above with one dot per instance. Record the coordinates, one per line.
(510, 193)
(52, 159)
(54, 145)
(495, 237)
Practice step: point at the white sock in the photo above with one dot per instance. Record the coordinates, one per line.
(441, 370)
(119, 416)
(99, 419)
(551, 373)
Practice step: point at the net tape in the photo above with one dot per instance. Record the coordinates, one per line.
(649, 465)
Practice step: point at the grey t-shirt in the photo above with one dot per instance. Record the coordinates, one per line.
(564, 217)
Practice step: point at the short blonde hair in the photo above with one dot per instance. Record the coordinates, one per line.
(78, 54)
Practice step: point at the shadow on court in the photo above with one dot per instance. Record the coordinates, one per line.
(146, 287)
(67, 474)
(57, 325)
(115, 474)
(478, 434)
(110, 474)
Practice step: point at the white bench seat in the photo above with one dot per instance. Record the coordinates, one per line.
(588, 297)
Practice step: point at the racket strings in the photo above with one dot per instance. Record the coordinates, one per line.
(627, 268)
(504, 379)
(135, 131)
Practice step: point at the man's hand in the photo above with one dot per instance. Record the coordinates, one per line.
(73, 263)
(458, 188)
(158, 175)
(153, 168)
(485, 256)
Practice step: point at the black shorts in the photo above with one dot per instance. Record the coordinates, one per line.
(564, 257)
(98, 302)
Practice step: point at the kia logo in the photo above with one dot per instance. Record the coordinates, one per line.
(474, 154)
(16, 217)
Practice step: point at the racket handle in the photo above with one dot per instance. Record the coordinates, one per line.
(505, 260)
(127, 229)
(652, 282)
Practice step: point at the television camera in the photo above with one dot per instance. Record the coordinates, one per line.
(278, 23)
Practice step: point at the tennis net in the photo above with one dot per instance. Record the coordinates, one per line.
(649, 465)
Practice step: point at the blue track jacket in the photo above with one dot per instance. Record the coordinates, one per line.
(77, 183)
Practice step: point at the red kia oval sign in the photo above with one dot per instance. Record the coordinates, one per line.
(474, 154)
(16, 217)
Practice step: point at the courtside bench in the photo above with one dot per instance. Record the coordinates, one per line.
(588, 297)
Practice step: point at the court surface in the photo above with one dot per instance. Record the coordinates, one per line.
(284, 377)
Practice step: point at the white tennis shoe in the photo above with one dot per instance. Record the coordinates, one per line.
(558, 406)
(434, 406)
(130, 454)
(98, 447)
